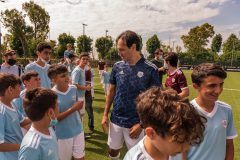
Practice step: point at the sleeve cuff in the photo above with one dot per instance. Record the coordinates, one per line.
(232, 137)
(184, 88)
(23, 119)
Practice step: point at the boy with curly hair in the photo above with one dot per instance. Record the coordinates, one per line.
(171, 125)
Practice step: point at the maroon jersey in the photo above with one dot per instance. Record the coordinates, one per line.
(101, 65)
(176, 80)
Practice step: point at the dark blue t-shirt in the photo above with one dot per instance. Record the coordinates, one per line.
(130, 81)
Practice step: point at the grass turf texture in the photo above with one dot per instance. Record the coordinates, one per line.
(96, 147)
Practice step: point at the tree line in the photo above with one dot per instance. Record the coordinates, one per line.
(24, 37)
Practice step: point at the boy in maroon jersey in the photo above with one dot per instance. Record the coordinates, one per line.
(175, 77)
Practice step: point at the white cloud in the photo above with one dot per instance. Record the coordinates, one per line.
(146, 17)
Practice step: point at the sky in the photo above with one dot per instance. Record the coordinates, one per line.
(169, 19)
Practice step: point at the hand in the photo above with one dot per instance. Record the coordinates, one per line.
(78, 105)
(161, 69)
(135, 131)
(105, 123)
(88, 87)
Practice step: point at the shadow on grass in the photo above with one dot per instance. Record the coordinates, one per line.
(98, 143)
(98, 109)
(99, 91)
(99, 99)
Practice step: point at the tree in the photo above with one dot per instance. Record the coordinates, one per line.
(63, 40)
(112, 55)
(84, 44)
(103, 45)
(231, 50)
(178, 49)
(53, 44)
(197, 38)
(216, 43)
(16, 45)
(39, 18)
(153, 43)
(15, 23)
(141, 44)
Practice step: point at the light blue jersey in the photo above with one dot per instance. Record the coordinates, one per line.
(138, 152)
(67, 53)
(10, 130)
(78, 77)
(38, 146)
(71, 125)
(42, 73)
(106, 77)
(18, 102)
(219, 128)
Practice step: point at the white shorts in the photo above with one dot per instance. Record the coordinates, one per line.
(82, 110)
(72, 147)
(118, 135)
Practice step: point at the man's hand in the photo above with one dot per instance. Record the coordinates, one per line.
(135, 131)
(105, 123)
(161, 69)
(88, 87)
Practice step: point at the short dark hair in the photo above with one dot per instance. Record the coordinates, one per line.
(7, 80)
(43, 45)
(130, 38)
(28, 75)
(38, 101)
(56, 69)
(172, 58)
(9, 52)
(83, 54)
(158, 50)
(170, 115)
(207, 69)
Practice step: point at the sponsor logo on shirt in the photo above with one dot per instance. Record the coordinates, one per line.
(173, 80)
(121, 72)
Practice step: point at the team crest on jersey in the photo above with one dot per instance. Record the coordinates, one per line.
(140, 74)
(121, 72)
(173, 80)
(224, 123)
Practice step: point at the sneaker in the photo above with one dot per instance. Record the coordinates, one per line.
(91, 131)
(87, 135)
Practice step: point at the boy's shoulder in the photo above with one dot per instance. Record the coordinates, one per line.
(224, 105)
(2, 109)
(31, 139)
(150, 65)
(179, 71)
(72, 87)
(138, 152)
(30, 65)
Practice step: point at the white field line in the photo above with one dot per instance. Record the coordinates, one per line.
(228, 89)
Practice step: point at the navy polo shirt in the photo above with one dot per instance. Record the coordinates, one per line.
(130, 81)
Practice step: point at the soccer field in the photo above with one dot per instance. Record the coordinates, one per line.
(96, 147)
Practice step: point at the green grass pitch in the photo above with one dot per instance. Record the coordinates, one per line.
(96, 147)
